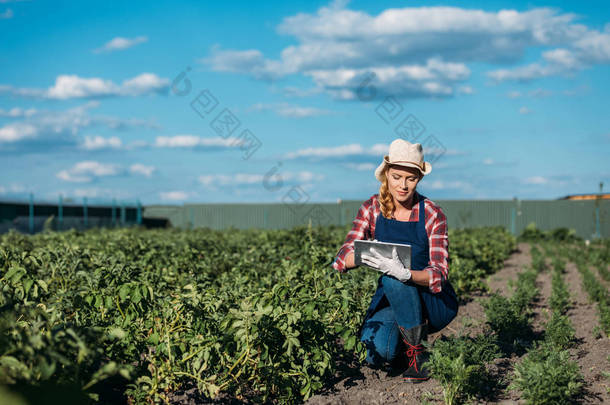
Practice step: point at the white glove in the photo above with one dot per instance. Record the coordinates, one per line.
(390, 267)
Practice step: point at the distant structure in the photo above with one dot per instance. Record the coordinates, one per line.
(602, 196)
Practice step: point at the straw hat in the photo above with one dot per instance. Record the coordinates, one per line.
(404, 153)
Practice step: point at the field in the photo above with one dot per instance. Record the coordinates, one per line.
(170, 316)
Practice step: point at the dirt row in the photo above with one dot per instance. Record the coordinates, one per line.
(363, 385)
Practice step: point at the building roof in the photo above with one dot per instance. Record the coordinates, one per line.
(593, 196)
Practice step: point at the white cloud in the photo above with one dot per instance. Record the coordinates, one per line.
(302, 176)
(577, 91)
(540, 93)
(144, 170)
(338, 151)
(465, 90)
(54, 128)
(87, 171)
(290, 110)
(193, 141)
(90, 192)
(434, 79)
(525, 73)
(73, 86)
(144, 83)
(99, 142)
(361, 166)
(90, 170)
(524, 110)
(443, 185)
(360, 154)
(17, 112)
(290, 91)
(536, 93)
(137, 144)
(587, 49)
(176, 195)
(352, 150)
(120, 43)
(536, 180)
(250, 60)
(488, 161)
(16, 132)
(14, 188)
(245, 179)
(233, 179)
(336, 45)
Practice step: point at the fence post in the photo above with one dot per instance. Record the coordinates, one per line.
(191, 220)
(123, 213)
(114, 212)
(139, 215)
(85, 217)
(60, 213)
(31, 219)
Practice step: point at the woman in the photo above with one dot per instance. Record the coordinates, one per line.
(408, 303)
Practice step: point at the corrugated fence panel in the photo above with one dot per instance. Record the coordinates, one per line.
(469, 214)
(515, 215)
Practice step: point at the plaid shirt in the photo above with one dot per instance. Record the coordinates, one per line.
(436, 228)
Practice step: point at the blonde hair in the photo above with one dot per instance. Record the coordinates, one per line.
(386, 201)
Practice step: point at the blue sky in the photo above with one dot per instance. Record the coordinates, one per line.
(508, 100)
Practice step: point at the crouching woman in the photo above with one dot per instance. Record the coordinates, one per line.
(408, 303)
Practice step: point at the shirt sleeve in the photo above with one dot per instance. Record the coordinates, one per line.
(361, 229)
(438, 267)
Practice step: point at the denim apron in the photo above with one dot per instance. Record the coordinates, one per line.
(414, 234)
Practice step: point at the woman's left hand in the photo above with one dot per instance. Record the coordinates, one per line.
(390, 267)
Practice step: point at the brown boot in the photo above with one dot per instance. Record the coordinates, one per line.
(416, 355)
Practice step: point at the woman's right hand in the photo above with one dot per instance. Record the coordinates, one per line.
(350, 261)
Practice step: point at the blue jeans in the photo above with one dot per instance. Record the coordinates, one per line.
(406, 305)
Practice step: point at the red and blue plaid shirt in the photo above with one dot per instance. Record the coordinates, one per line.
(436, 228)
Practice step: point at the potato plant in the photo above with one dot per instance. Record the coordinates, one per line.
(135, 315)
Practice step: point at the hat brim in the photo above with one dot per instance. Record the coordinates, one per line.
(385, 162)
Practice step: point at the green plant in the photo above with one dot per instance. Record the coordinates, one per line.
(560, 296)
(458, 363)
(506, 319)
(548, 377)
(532, 234)
(559, 331)
(476, 252)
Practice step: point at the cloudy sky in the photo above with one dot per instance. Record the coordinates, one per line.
(173, 102)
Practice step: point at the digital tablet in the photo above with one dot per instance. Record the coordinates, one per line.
(384, 248)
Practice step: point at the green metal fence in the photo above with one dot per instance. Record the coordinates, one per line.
(585, 217)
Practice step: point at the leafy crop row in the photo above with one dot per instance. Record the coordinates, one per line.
(476, 253)
(137, 315)
(460, 363)
(596, 290)
(547, 375)
(533, 234)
